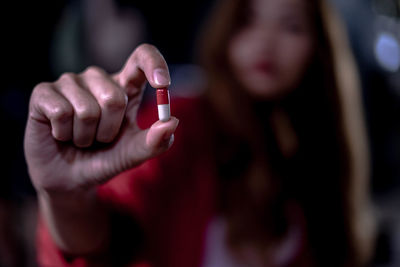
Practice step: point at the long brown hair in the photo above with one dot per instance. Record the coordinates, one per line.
(310, 147)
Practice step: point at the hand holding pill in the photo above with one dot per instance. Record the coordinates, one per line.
(75, 114)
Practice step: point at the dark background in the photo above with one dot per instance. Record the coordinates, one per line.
(29, 30)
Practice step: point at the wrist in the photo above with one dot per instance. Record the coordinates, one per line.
(76, 199)
(77, 221)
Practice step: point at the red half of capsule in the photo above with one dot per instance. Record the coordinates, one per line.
(162, 96)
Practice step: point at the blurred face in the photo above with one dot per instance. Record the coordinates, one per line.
(271, 51)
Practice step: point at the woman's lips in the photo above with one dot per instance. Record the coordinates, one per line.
(264, 67)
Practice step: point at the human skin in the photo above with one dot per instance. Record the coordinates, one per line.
(271, 51)
(67, 120)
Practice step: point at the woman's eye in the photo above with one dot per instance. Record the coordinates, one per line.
(293, 27)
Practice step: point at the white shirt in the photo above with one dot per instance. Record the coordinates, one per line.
(217, 253)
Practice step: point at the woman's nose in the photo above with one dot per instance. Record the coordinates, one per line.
(265, 39)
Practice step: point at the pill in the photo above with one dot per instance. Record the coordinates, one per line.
(164, 111)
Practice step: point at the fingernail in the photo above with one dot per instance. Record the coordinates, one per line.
(171, 140)
(161, 77)
(168, 141)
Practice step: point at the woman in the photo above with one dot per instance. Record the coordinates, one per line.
(267, 169)
(292, 56)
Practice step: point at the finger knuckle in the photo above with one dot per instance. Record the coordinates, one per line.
(113, 100)
(41, 92)
(146, 46)
(61, 113)
(40, 89)
(67, 77)
(87, 113)
(93, 70)
(146, 49)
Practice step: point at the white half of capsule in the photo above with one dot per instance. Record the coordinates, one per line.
(164, 112)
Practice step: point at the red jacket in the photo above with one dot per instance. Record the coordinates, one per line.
(161, 209)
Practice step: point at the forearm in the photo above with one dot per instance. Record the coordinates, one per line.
(77, 222)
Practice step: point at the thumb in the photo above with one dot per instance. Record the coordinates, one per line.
(160, 135)
(151, 142)
(131, 150)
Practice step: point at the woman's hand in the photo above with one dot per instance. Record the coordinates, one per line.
(82, 129)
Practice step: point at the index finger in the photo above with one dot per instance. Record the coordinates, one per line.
(145, 63)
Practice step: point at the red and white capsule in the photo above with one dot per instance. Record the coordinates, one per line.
(164, 110)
